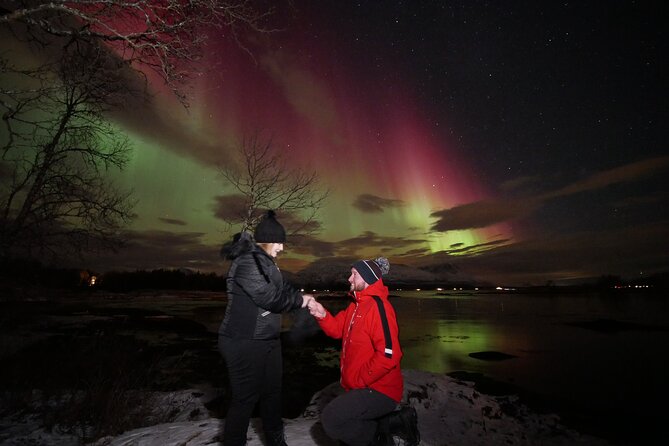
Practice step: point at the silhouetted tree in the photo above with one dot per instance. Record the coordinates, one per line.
(73, 62)
(265, 180)
(165, 36)
(58, 147)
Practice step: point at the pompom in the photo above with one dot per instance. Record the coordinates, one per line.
(384, 264)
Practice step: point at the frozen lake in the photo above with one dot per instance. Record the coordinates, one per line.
(600, 359)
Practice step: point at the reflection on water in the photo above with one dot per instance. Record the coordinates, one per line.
(560, 355)
(440, 346)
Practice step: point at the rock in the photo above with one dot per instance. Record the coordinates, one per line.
(491, 356)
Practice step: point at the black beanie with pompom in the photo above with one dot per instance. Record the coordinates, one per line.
(372, 270)
(269, 230)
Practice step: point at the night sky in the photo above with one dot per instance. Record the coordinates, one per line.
(520, 142)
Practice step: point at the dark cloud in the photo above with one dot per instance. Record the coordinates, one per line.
(338, 269)
(173, 221)
(312, 245)
(309, 245)
(295, 224)
(164, 120)
(369, 239)
(482, 214)
(485, 213)
(415, 252)
(159, 249)
(328, 270)
(230, 208)
(372, 204)
(578, 257)
(171, 132)
(476, 248)
(648, 200)
(630, 172)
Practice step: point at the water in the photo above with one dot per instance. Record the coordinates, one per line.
(606, 377)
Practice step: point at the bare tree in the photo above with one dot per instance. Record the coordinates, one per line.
(264, 180)
(55, 196)
(57, 145)
(166, 36)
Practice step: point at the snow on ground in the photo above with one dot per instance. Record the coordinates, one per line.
(450, 412)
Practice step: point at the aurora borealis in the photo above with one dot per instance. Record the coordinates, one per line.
(519, 143)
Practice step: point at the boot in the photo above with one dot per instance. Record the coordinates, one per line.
(382, 438)
(275, 438)
(402, 423)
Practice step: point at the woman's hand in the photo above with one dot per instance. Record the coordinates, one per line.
(306, 298)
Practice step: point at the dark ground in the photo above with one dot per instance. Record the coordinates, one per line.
(101, 346)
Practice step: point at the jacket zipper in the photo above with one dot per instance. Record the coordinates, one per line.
(348, 338)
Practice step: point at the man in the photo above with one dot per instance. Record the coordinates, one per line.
(370, 356)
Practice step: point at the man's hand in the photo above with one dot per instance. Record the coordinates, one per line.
(316, 309)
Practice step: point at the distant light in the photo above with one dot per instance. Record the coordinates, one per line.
(499, 288)
(476, 289)
(301, 290)
(417, 289)
(440, 289)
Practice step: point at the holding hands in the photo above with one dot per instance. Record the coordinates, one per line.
(306, 299)
(316, 309)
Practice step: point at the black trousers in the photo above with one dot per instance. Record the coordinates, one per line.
(351, 417)
(255, 369)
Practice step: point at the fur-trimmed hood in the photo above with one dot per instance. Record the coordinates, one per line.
(241, 243)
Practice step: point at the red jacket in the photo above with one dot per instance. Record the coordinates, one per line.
(363, 361)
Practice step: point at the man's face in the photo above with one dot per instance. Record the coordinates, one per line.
(356, 281)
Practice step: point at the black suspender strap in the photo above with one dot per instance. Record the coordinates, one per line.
(386, 329)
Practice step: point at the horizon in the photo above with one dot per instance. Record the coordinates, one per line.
(309, 283)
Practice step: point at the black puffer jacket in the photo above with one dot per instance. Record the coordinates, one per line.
(257, 293)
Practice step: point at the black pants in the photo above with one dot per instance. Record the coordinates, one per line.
(351, 417)
(255, 369)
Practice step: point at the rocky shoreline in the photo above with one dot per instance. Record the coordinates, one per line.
(450, 412)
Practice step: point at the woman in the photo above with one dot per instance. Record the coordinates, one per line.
(249, 334)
